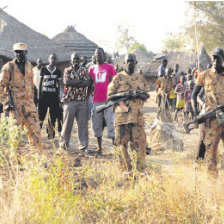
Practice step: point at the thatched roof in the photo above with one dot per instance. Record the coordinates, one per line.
(184, 59)
(13, 31)
(76, 42)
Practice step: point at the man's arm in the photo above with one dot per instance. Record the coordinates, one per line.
(194, 99)
(112, 88)
(40, 87)
(74, 83)
(112, 73)
(4, 80)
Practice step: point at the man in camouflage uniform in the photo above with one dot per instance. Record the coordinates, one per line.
(129, 122)
(17, 75)
(213, 81)
(163, 86)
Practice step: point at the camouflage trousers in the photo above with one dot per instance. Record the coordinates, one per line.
(213, 132)
(28, 119)
(135, 135)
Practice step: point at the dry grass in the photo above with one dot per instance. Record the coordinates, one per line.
(77, 188)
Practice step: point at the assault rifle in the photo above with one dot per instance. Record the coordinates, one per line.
(211, 114)
(116, 98)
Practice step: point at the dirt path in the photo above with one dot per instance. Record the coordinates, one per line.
(162, 160)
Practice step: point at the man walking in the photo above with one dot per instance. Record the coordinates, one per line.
(17, 76)
(162, 68)
(77, 87)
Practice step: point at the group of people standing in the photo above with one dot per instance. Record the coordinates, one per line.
(201, 94)
(175, 88)
(71, 93)
(36, 90)
(69, 97)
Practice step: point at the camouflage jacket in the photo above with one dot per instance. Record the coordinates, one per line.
(213, 84)
(123, 82)
(22, 87)
(164, 85)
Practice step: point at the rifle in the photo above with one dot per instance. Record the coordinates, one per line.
(211, 114)
(116, 98)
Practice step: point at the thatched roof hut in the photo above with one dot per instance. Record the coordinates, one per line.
(76, 42)
(184, 59)
(13, 31)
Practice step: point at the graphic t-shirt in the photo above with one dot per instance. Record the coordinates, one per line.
(101, 77)
(50, 79)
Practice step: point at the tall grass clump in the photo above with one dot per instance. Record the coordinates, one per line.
(48, 188)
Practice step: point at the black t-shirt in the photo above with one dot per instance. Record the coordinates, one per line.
(50, 79)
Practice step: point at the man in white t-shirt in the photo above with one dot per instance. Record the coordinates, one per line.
(36, 79)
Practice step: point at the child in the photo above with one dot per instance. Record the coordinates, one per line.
(187, 96)
(179, 90)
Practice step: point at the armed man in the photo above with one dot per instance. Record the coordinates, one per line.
(163, 87)
(213, 81)
(129, 121)
(17, 77)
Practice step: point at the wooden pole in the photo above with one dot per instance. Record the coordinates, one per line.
(196, 38)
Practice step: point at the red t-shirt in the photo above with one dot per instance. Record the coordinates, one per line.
(101, 77)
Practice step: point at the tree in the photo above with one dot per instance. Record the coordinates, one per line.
(125, 40)
(209, 20)
(140, 47)
(175, 42)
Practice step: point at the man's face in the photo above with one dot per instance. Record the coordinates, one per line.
(52, 59)
(84, 60)
(20, 56)
(39, 62)
(216, 62)
(75, 60)
(165, 63)
(130, 62)
(99, 56)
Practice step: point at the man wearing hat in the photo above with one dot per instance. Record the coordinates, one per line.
(213, 81)
(17, 75)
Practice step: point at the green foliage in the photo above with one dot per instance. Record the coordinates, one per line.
(53, 198)
(174, 42)
(140, 47)
(10, 133)
(209, 19)
(11, 136)
(125, 40)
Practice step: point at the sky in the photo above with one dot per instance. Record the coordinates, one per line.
(150, 22)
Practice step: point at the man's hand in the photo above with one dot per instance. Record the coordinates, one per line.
(195, 112)
(86, 83)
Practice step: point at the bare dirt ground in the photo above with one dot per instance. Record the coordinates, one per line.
(163, 159)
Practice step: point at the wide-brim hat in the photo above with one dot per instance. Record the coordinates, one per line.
(20, 47)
